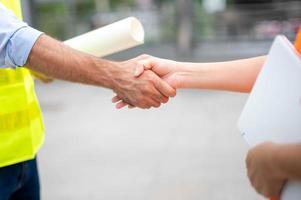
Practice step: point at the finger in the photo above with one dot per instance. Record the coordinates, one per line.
(148, 64)
(159, 97)
(148, 103)
(121, 104)
(164, 99)
(156, 104)
(165, 88)
(115, 99)
(126, 104)
(139, 70)
(145, 64)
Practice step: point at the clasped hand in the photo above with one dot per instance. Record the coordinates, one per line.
(156, 81)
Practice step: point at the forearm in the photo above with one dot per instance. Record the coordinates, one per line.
(236, 76)
(55, 59)
(288, 159)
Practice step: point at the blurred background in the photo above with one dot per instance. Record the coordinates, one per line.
(188, 149)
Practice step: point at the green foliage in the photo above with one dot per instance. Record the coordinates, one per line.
(56, 18)
(52, 18)
(84, 8)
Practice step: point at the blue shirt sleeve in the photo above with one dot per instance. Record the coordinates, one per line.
(16, 39)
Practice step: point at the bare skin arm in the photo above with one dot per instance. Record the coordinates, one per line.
(56, 60)
(237, 75)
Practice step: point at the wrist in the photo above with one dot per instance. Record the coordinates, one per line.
(104, 72)
(191, 75)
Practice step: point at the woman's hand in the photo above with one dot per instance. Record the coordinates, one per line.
(166, 69)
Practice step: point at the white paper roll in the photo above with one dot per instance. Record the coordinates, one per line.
(110, 39)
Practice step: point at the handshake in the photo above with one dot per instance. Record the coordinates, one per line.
(151, 83)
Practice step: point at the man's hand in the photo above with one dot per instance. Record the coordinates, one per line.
(264, 172)
(145, 91)
(165, 69)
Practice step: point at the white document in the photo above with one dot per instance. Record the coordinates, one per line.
(273, 110)
(110, 39)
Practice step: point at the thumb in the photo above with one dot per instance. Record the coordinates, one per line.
(139, 70)
(165, 88)
(142, 66)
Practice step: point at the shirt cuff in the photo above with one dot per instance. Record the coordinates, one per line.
(20, 45)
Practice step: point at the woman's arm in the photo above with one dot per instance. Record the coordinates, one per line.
(238, 75)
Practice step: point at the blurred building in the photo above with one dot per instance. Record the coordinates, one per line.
(260, 19)
(165, 20)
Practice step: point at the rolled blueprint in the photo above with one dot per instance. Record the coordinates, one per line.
(110, 39)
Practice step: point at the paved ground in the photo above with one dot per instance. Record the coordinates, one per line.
(189, 149)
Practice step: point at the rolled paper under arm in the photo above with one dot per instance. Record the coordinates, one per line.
(107, 40)
(110, 39)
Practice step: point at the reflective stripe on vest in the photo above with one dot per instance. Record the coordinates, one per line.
(21, 124)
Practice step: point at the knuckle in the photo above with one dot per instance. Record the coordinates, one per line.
(174, 93)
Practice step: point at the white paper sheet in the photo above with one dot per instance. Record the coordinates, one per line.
(110, 39)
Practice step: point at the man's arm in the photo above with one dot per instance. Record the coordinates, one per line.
(55, 59)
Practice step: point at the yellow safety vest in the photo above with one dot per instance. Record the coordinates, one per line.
(21, 124)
